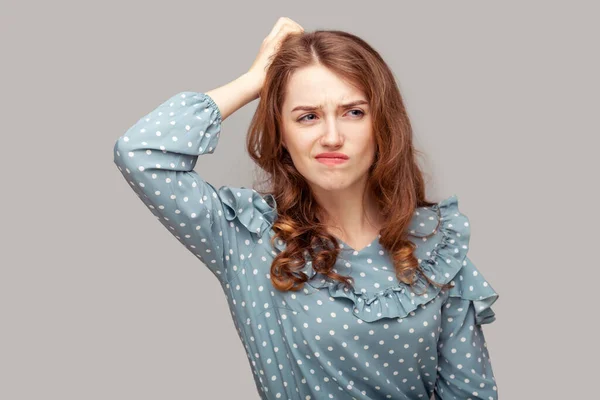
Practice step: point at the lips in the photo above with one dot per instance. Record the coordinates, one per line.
(334, 156)
(331, 161)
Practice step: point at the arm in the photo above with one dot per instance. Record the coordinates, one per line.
(157, 156)
(464, 365)
(158, 153)
(236, 94)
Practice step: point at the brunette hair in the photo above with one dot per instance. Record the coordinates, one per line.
(395, 179)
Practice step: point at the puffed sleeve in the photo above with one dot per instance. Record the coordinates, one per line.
(157, 155)
(464, 366)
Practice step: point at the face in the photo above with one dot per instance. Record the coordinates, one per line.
(318, 117)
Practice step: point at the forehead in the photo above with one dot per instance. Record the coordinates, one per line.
(316, 85)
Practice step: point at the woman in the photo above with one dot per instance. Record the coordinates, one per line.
(344, 281)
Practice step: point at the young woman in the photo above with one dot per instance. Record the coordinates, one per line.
(344, 282)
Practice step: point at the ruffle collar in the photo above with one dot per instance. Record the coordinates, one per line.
(442, 265)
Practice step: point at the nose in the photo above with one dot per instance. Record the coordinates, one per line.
(332, 137)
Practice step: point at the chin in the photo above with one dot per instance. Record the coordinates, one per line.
(332, 185)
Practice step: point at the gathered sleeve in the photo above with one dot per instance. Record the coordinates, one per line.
(157, 156)
(464, 367)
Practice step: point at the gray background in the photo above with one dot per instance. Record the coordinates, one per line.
(99, 301)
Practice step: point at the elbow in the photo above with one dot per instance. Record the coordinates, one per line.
(123, 154)
(119, 151)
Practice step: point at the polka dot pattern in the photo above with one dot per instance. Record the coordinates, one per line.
(378, 340)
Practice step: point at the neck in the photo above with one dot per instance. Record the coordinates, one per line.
(347, 215)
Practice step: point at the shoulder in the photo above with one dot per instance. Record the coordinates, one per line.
(255, 212)
(445, 214)
(442, 233)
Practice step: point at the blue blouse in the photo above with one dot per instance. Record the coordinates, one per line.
(376, 341)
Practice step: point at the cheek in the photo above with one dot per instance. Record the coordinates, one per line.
(299, 146)
(367, 144)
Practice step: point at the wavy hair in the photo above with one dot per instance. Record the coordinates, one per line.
(395, 179)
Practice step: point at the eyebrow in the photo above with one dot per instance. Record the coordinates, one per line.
(347, 105)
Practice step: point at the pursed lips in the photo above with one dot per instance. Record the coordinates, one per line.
(333, 156)
(331, 159)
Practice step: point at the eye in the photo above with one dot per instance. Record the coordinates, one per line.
(360, 111)
(304, 118)
(311, 119)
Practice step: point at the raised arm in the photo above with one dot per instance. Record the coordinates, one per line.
(158, 153)
(157, 156)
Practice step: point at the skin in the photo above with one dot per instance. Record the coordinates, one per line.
(337, 188)
(306, 133)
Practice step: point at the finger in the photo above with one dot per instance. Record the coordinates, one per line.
(294, 27)
(275, 34)
(281, 34)
(280, 22)
(294, 24)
